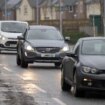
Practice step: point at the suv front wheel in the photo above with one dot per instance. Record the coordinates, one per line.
(24, 64)
(18, 60)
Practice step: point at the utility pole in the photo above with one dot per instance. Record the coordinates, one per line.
(37, 13)
(104, 16)
(5, 10)
(60, 16)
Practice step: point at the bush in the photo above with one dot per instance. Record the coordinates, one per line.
(74, 36)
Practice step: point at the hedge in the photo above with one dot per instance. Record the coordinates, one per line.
(74, 36)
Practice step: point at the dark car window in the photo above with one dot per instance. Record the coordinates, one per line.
(44, 34)
(93, 47)
(13, 27)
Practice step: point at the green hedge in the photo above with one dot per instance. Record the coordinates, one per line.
(74, 36)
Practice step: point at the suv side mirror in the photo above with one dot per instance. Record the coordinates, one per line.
(67, 39)
(20, 38)
(71, 54)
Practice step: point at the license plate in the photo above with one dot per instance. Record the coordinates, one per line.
(47, 55)
(12, 45)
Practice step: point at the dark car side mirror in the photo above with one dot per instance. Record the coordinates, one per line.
(71, 54)
(67, 39)
(20, 38)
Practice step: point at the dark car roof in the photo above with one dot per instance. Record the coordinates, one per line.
(41, 27)
(91, 38)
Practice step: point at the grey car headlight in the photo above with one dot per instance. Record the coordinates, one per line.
(89, 70)
(65, 48)
(29, 48)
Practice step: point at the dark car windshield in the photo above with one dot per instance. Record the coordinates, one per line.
(44, 34)
(14, 27)
(93, 47)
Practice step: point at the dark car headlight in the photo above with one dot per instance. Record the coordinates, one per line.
(86, 69)
(29, 48)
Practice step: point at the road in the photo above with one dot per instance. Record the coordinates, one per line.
(39, 84)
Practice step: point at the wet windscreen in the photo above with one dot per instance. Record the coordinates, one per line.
(93, 47)
(13, 27)
(44, 34)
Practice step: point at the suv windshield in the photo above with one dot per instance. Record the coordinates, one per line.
(93, 47)
(13, 27)
(44, 34)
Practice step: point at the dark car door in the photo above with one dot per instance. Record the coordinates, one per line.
(70, 64)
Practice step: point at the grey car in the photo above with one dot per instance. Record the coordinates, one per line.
(41, 44)
(84, 68)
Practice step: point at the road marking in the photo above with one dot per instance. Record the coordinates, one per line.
(35, 86)
(5, 68)
(59, 101)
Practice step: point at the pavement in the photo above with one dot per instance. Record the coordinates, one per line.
(11, 91)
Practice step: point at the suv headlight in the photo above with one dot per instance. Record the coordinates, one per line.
(3, 38)
(89, 70)
(29, 48)
(65, 48)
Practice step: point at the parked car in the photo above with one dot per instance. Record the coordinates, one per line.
(9, 30)
(84, 68)
(41, 44)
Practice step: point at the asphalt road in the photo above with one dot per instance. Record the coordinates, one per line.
(39, 84)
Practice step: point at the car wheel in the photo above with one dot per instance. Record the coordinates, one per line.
(64, 85)
(74, 89)
(24, 64)
(0, 51)
(57, 64)
(18, 60)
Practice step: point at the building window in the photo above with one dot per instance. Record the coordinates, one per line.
(25, 10)
(70, 8)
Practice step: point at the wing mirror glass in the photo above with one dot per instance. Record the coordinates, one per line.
(71, 54)
(67, 39)
(20, 38)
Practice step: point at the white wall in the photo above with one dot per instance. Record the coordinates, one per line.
(47, 13)
(22, 15)
(93, 9)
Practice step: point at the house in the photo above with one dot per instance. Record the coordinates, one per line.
(8, 9)
(1, 10)
(48, 10)
(70, 9)
(93, 7)
(27, 10)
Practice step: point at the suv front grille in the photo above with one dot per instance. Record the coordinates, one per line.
(11, 43)
(48, 49)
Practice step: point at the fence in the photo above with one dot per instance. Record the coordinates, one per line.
(71, 25)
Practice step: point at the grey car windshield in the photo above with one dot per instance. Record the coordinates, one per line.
(44, 34)
(93, 47)
(13, 27)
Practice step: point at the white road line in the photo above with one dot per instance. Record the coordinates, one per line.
(59, 101)
(5, 68)
(35, 86)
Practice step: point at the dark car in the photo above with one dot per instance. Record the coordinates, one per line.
(41, 44)
(84, 68)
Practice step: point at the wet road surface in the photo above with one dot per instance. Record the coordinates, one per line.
(39, 84)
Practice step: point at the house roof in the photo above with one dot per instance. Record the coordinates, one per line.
(2, 2)
(10, 4)
(70, 2)
(91, 1)
(56, 2)
(33, 3)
